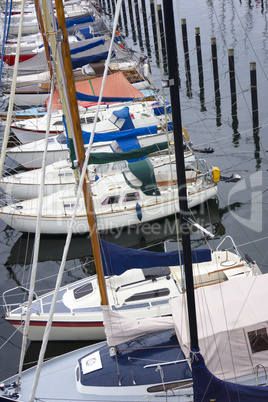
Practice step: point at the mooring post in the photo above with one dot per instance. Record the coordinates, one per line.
(199, 54)
(200, 68)
(131, 17)
(215, 67)
(185, 44)
(254, 95)
(232, 78)
(146, 30)
(161, 28)
(125, 17)
(154, 27)
(138, 23)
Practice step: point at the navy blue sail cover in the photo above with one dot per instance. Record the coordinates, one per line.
(87, 47)
(119, 135)
(208, 388)
(82, 61)
(117, 260)
(72, 22)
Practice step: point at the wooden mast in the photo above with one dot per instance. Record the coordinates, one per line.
(74, 120)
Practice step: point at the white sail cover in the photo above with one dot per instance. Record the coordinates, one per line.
(232, 319)
(120, 329)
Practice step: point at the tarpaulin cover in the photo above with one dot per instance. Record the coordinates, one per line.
(87, 47)
(119, 135)
(100, 158)
(208, 388)
(116, 86)
(83, 61)
(117, 260)
(70, 23)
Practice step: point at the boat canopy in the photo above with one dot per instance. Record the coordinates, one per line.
(101, 158)
(232, 325)
(116, 87)
(116, 259)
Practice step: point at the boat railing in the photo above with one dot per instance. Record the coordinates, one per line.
(257, 369)
(8, 306)
(228, 237)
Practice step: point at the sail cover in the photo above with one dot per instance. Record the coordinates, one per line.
(232, 320)
(116, 86)
(117, 260)
(209, 388)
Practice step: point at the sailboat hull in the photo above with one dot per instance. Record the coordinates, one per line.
(108, 217)
(62, 377)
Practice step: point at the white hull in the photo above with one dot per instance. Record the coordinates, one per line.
(31, 155)
(82, 319)
(56, 221)
(59, 175)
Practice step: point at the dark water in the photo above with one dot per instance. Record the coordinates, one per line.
(240, 209)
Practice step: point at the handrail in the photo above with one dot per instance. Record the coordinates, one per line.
(6, 305)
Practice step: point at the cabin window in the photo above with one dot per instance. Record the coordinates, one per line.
(69, 205)
(117, 121)
(132, 197)
(82, 291)
(258, 340)
(82, 120)
(114, 199)
(152, 294)
(62, 139)
(90, 119)
(65, 174)
(119, 165)
(58, 123)
(102, 168)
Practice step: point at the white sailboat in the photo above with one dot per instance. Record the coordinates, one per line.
(133, 291)
(141, 193)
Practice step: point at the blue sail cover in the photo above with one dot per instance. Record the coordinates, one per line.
(119, 135)
(117, 260)
(209, 388)
(93, 98)
(79, 21)
(82, 61)
(87, 47)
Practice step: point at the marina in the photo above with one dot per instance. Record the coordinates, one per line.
(231, 128)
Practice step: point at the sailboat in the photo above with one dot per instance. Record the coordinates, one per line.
(152, 366)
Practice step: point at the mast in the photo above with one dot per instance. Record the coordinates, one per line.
(173, 72)
(80, 153)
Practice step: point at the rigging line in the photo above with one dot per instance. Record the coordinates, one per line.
(37, 238)
(11, 336)
(242, 227)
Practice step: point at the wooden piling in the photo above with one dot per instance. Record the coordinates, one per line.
(254, 95)
(138, 23)
(185, 44)
(131, 17)
(146, 30)
(153, 18)
(232, 78)
(215, 67)
(125, 17)
(199, 55)
(161, 28)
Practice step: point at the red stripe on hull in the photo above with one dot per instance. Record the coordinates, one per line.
(10, 58)
(60, 324)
